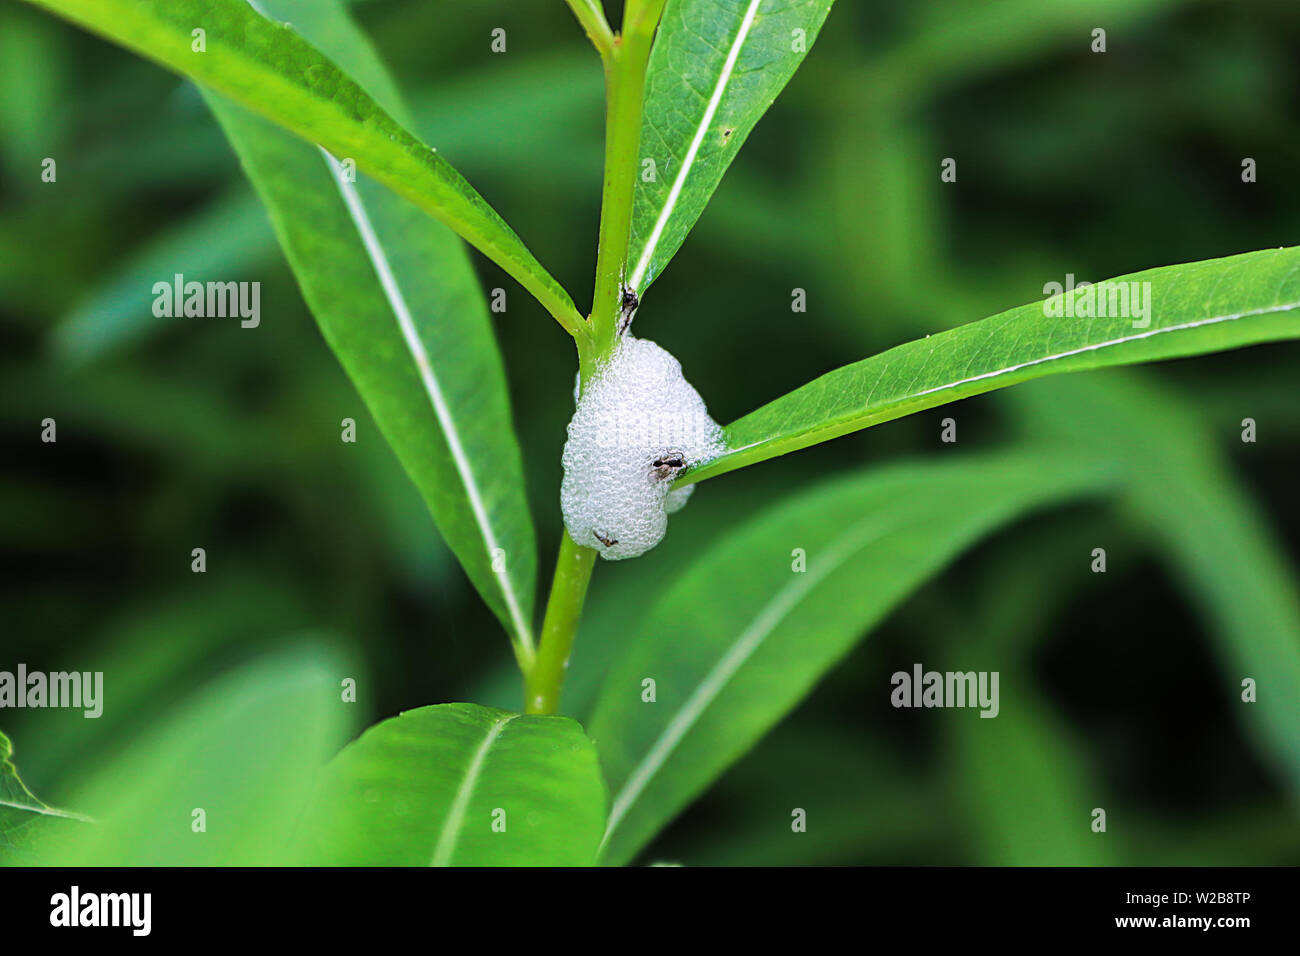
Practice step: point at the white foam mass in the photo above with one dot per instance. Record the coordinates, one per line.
(636, 419)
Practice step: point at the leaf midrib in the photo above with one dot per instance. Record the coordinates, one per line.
(424, 368)
(842, 549)
(451, 827)
(688, 162)
(456, 203)
(45, 811)
(865, 416)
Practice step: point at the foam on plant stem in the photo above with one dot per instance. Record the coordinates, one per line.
(638, 424)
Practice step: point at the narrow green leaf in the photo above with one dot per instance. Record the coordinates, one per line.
(716, 67)
(864, 802)
(951, 42)
(724, 678)
(1025, 780)
(221, 780)
(1028, 796)
(225, 240)
(23, 818)
(1224, 552)
(396, 298)
(1195, 308)
(462, 785)
(267, 67)
(469, 110)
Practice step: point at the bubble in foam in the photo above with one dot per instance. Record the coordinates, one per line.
(638, 424)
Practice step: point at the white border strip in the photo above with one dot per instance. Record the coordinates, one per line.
(675, 193)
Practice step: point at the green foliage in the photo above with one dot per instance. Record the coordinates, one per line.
(861, 544)
(226, 238)
(1196, 308)
(1232, 568)
(714, 71)
(24, 820)
(221, 780)
(1028, 800)
(749, 618)
(397, 299)
(267, 67)
(461, 785)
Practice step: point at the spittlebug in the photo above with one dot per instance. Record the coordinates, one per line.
(627, 306)
(637, 427)
(668, 464)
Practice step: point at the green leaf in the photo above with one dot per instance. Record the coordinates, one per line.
(244, 750)
(1028, 794)
(23, 818)
(1025, 780)
(715, 68)
(469, 109)
(1212, 535)
(225, 239)
(864, 804)
(267, 67)
(951, 42)
(397, 299)
(462, 785)
(1195, 308)
(724, 678)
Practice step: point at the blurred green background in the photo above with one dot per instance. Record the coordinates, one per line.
(183, 433)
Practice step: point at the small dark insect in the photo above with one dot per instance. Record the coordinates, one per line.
(668, 463)
(607, 542)
(628, 303)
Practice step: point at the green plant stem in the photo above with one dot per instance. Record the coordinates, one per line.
(625, 70)
(625, 58)
(592, 17)
(545, 678)
(568, 317)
